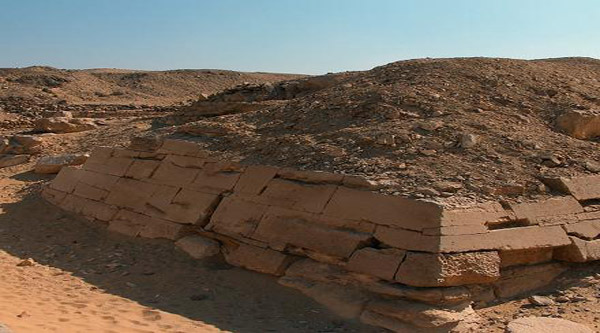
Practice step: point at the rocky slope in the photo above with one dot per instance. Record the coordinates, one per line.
(474, 127)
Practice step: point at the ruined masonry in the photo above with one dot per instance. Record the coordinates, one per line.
(394, 262)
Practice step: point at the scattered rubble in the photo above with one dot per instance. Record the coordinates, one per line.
(53, 164)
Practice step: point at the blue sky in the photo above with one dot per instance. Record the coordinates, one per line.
(301, 36)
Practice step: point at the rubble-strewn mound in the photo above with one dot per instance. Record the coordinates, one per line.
(431, 127)
(117, 86)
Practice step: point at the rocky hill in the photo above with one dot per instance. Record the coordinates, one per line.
(473, 127)
(116, 86)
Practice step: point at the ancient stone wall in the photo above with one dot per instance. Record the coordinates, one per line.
(393, 262)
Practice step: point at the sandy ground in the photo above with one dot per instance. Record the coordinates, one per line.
(85, 279)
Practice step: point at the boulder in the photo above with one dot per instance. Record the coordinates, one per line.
(53, 164)
(580, 124)
(10, 160)
(545, 325)
(198, 247)
(64, 125)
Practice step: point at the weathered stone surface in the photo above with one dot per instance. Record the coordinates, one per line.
(346, 302)
(101, 163)
(181, 206)
(545, 325)
(382, 209)
(186, 161)
(258, 259)
(308, 198)
(523, 279)
(98, 180)
(580, 124)
(407, 239)
(315, 177)
(382, 263)
(134, 224)
(254, 179)
(145, 143)
(318, 271)
(131, 193)
(473, 229)
(525, 257)
(506, 239)
(422, 315)
(584, 229)
(64, 125)
(11, 160)
(215, 181)
(236, 217)
(532, 211)
(579, 251)
(66, 180)
(280, 227)
(53, 164)
(170, 174)
(90, 192)
(477, 215)
(434, 296)
(142, 169)
(53, 196)
(436, 270)
(87, 207)
(24, 144)
(198, 247)
(181, 147)
(582, 188)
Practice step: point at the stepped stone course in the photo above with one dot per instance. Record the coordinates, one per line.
(320, 231)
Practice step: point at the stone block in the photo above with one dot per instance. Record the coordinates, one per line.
(452, 269)
(579, 251)
(135, 224)
(314, 177)
(582, 188)
(131, 193)
(116, 166)
(198, 247)
(53, 196)
(383, 209)
(525, 257)
(53, 164)
(142, 169)
(525, 279)
(407, 239)
(181, 206)
(580, 124)
(98, 180)
(520, 238)
(359, 182)
(181, 147)
(532, 211)
(288, 194)
(585, 229)
(477, 215)
(170, 174)
(236, 217)
(215, 182)
(472, 229)
(258, 259)
(254, 179)
(66, 180)
(12, 160)
(280, 227)
(312, 270)
(90, 192)
(88, 208)
(186, 161)
(122, 152)
(382, 263)
(434, 296)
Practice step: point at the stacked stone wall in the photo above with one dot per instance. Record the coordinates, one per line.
(388, 260)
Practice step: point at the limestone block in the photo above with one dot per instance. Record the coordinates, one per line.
(580, 124)
(473, 229)
(258, 259)
(524, 279)
(236, 217)
(181, 206)
(525, 257)
(582, 188)
(131, 193)
(312, 270)
(66, 180)
(382, 263)
(88, 208)
(142, 169)
(477, 215)
(436, 270)
(122, 152)
(431, 295)
(98, 180)
(531, 211)
(186, 161)
(383, 209)
(135, 224)
(53, 164)
(181, 147)
(315, 177)
(407, 239)
(116, 166)
(90, 192)
(198, 247)
(53, 196)
(585, 229)
(283, 226)
(215, 182)
(254, 179)
(579, 251)
(170, 174)
(287, 194)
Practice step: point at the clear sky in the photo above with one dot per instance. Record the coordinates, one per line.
(301, 36)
